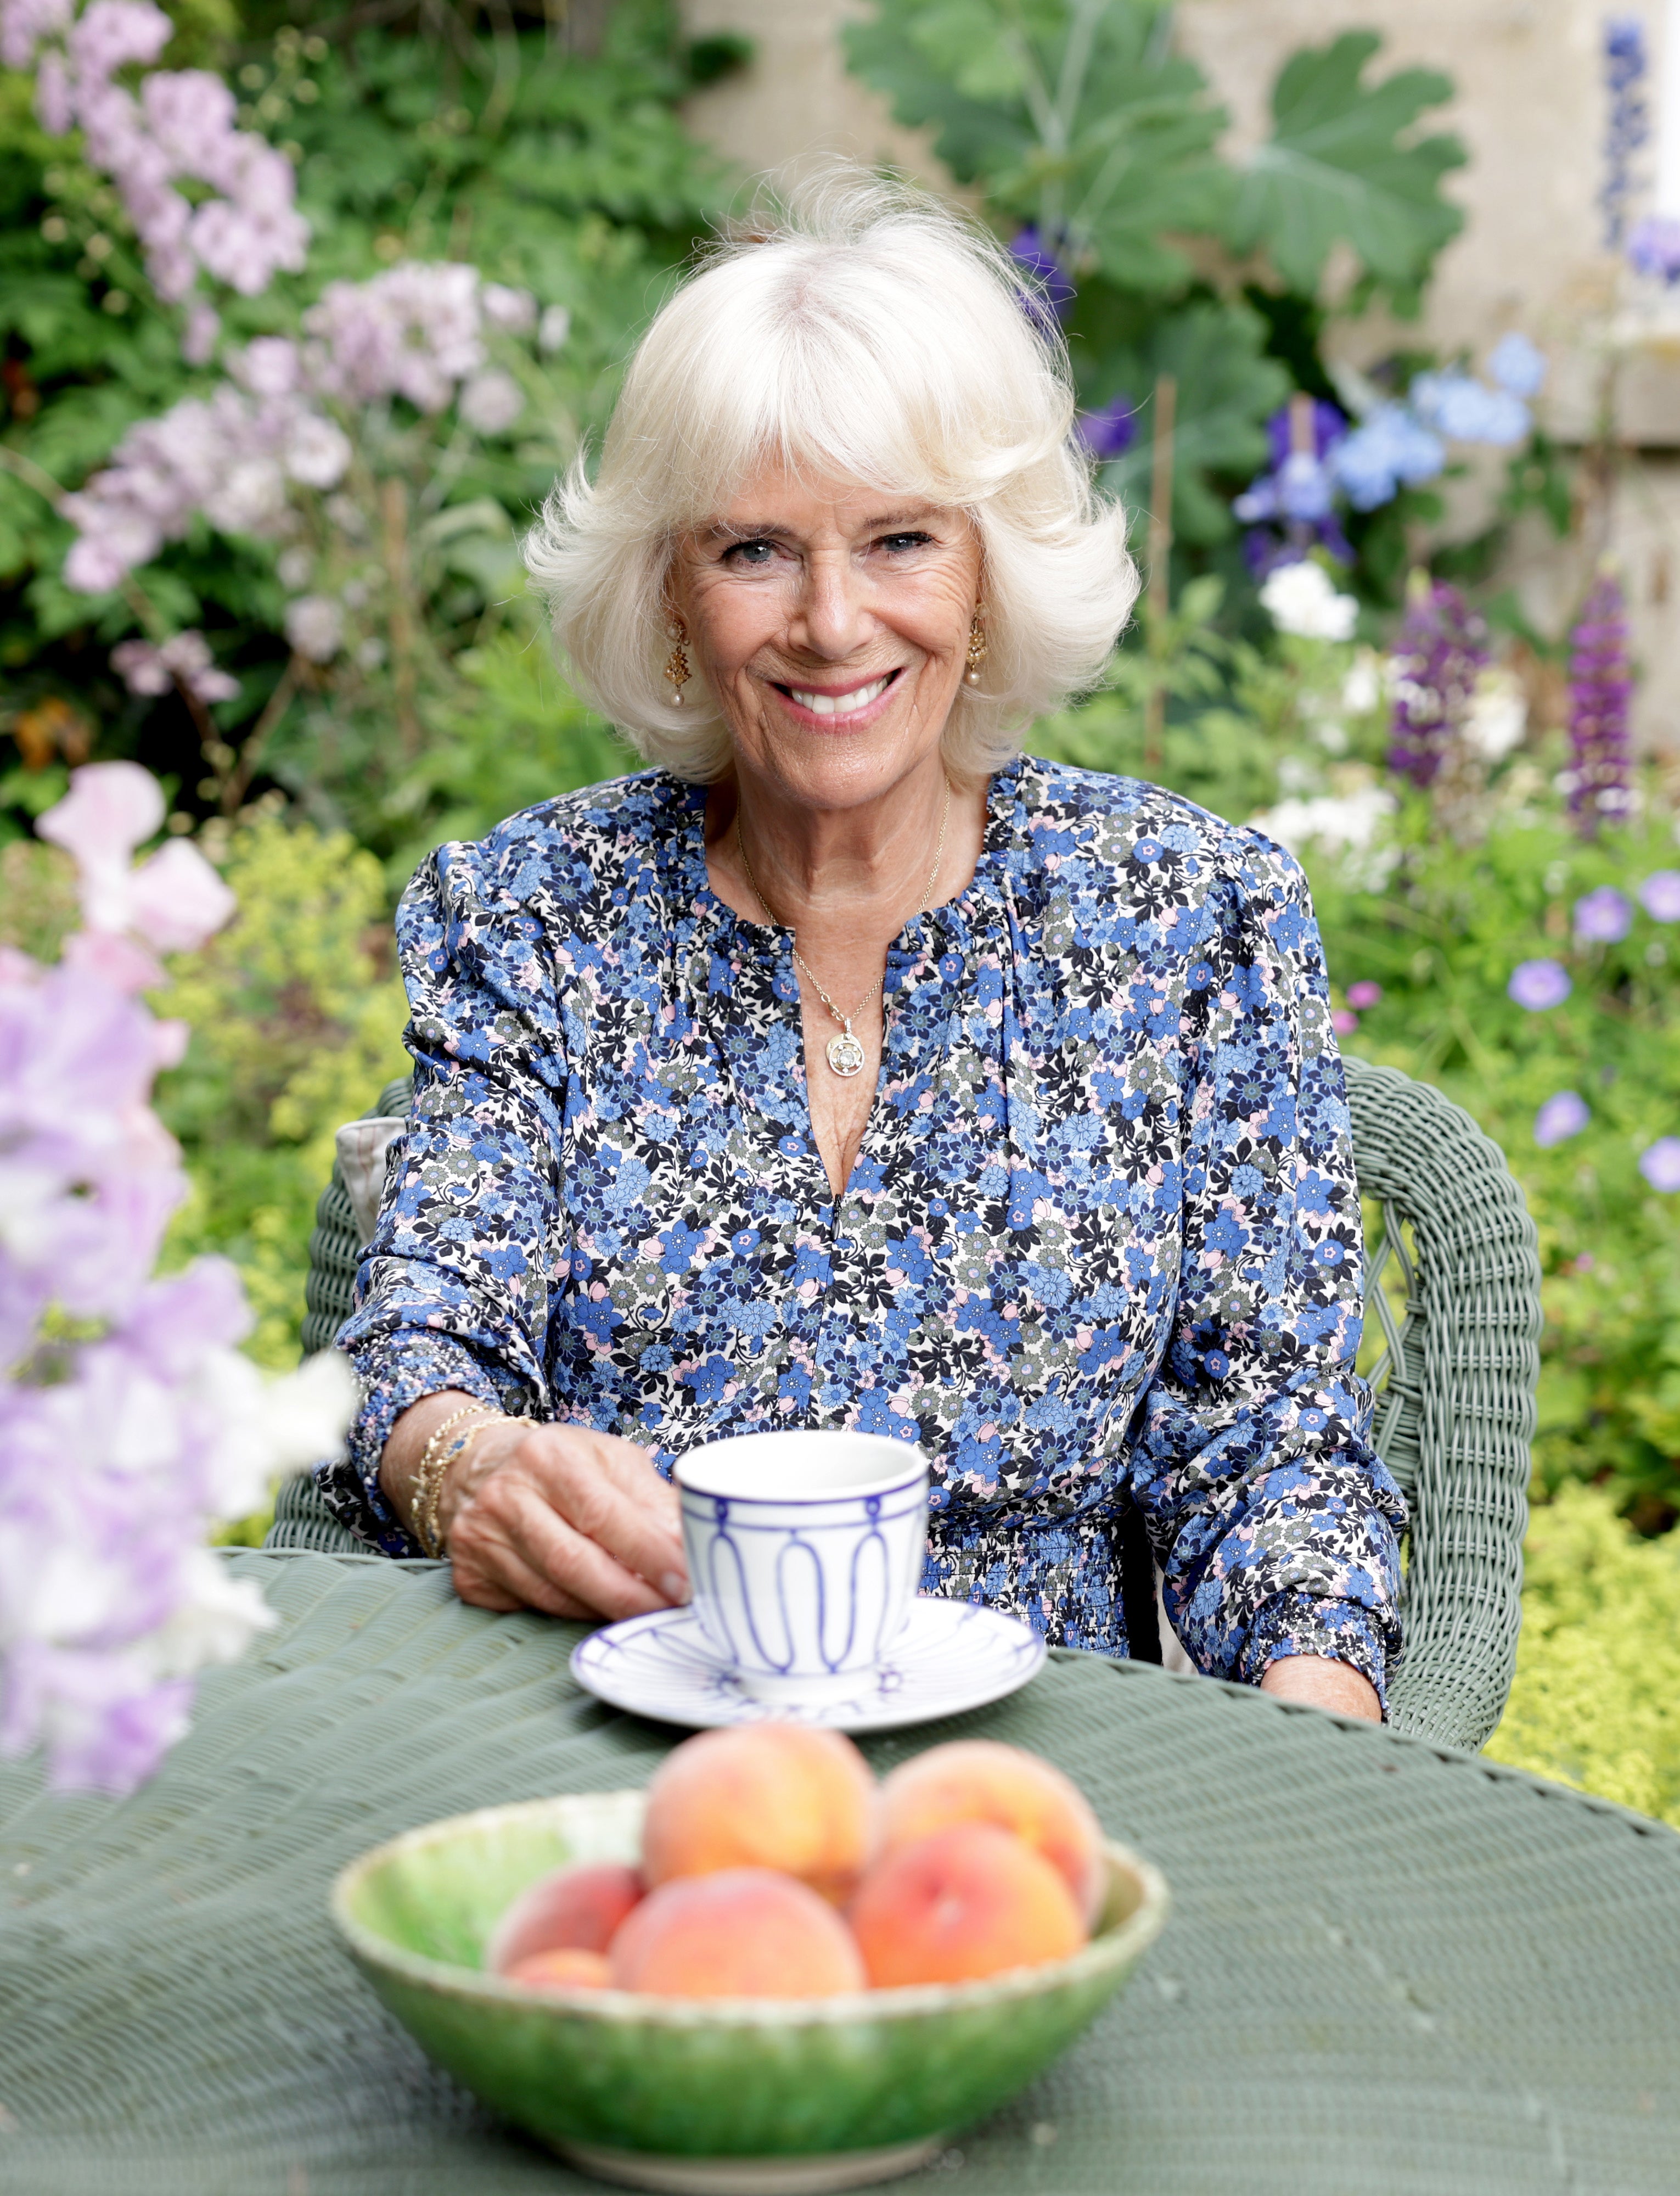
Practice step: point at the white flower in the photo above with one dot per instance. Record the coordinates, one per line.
(1348, 825)
(314, 625)
(1302, 599)
(1362, 689)
(514, 310)
(1497, 718)
(552, 330)
(492, 401)
(319, 454)
(294, 567)
(216, 1619)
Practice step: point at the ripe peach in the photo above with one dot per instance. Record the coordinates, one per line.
(569, 1968)
(775, 1796)
(576, 1908)
(742, 1933)
(979, 1780)
(970, 1900)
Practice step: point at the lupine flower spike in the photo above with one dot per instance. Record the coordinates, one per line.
(1601, 689)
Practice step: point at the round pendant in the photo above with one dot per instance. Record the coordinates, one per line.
(846, 1055)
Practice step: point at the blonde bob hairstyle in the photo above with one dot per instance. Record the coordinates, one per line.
(859, 332)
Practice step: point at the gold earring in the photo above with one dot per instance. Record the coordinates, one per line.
(976, 646)
(677, 671)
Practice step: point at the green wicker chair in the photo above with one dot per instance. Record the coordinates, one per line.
(1453, 1308)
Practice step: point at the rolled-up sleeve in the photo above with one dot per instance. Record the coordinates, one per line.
(455, 1289)
(1276, 1525)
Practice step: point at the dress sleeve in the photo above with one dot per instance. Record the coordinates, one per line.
(1275, 1523)
(455, 1291)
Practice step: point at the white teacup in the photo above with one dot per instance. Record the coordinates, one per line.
(805, 1554)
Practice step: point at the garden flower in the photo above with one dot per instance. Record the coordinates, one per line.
(1625, 64)
(1654, 248)
(491, 403)
(1110, 431)
(1439, 659)
(1389, 450)
(552, 330)
(118, 1450)
(185, 661)
(1516, 365)
(1601, 689)
(1302, 599)
(1466, 410)
(1364, 993)
(1537, 984)
(1343, 1023)
(1497, 717)
(1660, 1164)
(1660, 895)
(1564, 1114)
(1604, 916)
(1050, 284)
(314, 625)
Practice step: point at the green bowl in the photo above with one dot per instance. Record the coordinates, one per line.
(784, 2097)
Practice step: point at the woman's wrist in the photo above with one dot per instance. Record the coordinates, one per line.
(1321, 1683)
(490, 1443)
(411, 1436)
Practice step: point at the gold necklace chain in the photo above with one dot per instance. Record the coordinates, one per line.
(846, 1052)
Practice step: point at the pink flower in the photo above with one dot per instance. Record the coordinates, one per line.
(1364, 994)
(110, 809)
(176, 900)
(203, 331)
(115, 34)
(55, 98)
(1343, 1023)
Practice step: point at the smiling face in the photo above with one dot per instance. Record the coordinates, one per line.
(832, 624)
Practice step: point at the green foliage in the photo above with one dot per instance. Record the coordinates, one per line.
(1343, 166)
(296, 1021)
(1598, 1661)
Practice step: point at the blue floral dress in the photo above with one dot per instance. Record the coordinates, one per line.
(1101, 1247)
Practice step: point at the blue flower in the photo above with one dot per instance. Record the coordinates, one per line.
(1390, 449)
(1537, 984)
(1516, 365)
(1564, 1114)
(1604, 917)
(1466, 410)
(1110, 431)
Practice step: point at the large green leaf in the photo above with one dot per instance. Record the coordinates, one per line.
(1343, 165)
(1073, 114)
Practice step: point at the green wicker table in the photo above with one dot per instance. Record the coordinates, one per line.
(1391, 1967)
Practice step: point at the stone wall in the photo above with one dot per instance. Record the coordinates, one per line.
(1531, 110)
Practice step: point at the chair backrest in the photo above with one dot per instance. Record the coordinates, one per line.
(1453, 1285)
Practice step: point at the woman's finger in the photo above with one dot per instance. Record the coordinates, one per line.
(512, 1534)
(609, 1492)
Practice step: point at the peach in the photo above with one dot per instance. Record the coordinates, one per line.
(741, 1933)
(774, 1795)
(968, 1901)
(571, 1910)
(980, 1780)
(566, 1968)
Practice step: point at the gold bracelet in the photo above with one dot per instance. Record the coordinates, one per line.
(434, 1460)
(458, 1448)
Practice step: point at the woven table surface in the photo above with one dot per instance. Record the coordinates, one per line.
(1389, 1967)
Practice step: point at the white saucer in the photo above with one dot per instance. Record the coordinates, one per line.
(950, 1656)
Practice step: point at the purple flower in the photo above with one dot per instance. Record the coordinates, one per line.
(1660, 1164)
(1049, 283)
(1440, 654)
(1564, 1114)
(1364, 993)
(1654, 248)
(1604, 916)
(1660, 895)
(1628, 126)
(1537, 984)
(1601, 688)
(1111, 432)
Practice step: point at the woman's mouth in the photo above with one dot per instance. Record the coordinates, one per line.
(831, 705)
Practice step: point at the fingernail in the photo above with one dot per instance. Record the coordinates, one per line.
(674, 1586)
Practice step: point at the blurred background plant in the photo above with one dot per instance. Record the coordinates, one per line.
(276, 407)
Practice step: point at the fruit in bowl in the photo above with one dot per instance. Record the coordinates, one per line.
(766, 1971)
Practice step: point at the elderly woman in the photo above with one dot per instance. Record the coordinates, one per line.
(848, 1068)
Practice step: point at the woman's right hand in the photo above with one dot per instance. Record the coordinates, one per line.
(557, 1517)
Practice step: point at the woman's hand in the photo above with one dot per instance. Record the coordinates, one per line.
(559, 1518)
(1323, 1684)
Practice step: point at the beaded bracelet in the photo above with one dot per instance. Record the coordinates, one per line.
(439, 1453)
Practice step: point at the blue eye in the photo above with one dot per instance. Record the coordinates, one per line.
(896, 542)
(753, 554)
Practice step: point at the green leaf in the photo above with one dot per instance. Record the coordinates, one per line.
(1226, 387)
(1073, 114)
(1342, 165)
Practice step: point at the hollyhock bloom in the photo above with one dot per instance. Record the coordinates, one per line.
(1439, 659)
(1660, 1164)
(1539, 985)
(1604, 916)
(1660, 895)
(118, 1450)
(1564, 1114)
(1601, 692)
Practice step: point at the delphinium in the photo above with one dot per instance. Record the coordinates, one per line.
(1628, 127)
(1601, 690)
(240, 225)
(129, 1422)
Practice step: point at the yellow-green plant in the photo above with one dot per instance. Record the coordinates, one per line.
(1598, 1664)
(296, 1020)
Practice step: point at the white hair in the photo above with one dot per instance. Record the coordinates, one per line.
(865, 333)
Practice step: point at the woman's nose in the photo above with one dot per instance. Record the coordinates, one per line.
(831, 616)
